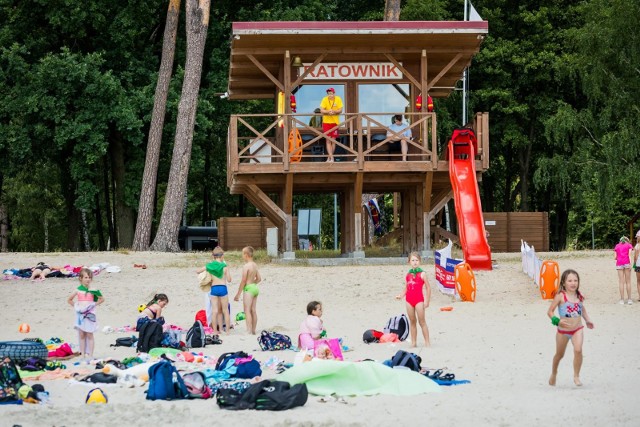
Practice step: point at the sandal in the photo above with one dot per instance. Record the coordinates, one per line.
(447, 377)
(436, 374)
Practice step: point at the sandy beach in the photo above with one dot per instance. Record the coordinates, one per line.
(503, 343)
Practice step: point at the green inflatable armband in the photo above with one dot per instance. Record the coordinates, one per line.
(555, 320)
(323, 333)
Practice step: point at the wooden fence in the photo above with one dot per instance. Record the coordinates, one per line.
(234, 233)
(506, 229)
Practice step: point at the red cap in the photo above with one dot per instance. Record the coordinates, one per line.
(331, 90)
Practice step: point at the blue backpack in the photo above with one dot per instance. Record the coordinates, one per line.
(165, 383)
(272, 341)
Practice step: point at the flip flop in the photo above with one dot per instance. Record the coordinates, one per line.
(449, 308)
(447, 377)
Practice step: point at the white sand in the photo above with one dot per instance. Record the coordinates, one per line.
(503, 343)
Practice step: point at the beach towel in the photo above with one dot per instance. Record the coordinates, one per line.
(328, 377)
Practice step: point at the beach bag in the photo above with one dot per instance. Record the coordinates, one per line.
(407, 360)
(267, 395)
(371, 335)
(272, 341)
(204, 280)
(196, 336)
(125, 342)
(196, 386)
(327, 348)
(399, 325)
(150, 336)
(10, 382)
(165, 383)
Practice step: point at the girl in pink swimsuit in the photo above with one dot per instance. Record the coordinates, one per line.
(87, 299)
(416, 302)
(570, 304)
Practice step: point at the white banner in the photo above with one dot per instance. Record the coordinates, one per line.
(353, 71)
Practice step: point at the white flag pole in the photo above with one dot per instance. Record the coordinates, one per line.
(464, 77)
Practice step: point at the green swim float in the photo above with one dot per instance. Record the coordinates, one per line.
(252, 289)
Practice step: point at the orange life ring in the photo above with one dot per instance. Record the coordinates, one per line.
(465, 282)
(295, 145)
(549, 279)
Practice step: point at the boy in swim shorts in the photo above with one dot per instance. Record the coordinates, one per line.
(249, 288)
(218, 293)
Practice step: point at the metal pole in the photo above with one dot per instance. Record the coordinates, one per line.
(335, 221)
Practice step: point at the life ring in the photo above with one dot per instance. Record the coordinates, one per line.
(22, 350)
(295, 146)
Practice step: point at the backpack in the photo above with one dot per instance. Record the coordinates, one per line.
(195, 335)
(406, 359)
(10, 382)
(398, 325)
(150, 337)
(171, 338)
(196, 385)
(125, 342)
(165, 383)
(272, 341)
(225, 357)
(269, 395)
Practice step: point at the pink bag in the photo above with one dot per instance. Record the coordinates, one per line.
(390, 337)
(327, 348)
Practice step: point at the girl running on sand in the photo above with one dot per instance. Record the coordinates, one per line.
(416, 302)
(571, 310)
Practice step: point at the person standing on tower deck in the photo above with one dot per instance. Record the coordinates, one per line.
(331, 108)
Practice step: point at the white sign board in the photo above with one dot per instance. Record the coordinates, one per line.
(353, 71)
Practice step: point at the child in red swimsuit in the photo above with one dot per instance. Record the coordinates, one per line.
(416, 302)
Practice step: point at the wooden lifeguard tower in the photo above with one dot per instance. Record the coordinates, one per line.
(372, 65)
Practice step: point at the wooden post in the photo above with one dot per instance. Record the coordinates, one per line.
(396, 220)
(357, 212)
(287, 107)
(426, 208)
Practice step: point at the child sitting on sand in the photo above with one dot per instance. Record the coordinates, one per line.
(416, 302)
(312, 327)
(571, 310)
(249, 286)
(85, 307)
(218, 293)
(153, 311)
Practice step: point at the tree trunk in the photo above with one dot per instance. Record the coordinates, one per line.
(149, 179)
(98, 214)
(107, 203)
(4, 228)
(525, 162)
(392, 10)
(197, 17)
(124, 214)
(73, 219)
(4, 221)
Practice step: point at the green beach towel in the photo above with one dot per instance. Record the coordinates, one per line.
(328, 377)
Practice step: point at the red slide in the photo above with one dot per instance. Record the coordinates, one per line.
(462, 172)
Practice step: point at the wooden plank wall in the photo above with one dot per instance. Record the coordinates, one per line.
(511, 227)
(235, 233)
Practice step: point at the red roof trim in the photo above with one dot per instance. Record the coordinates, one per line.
(441, 26)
